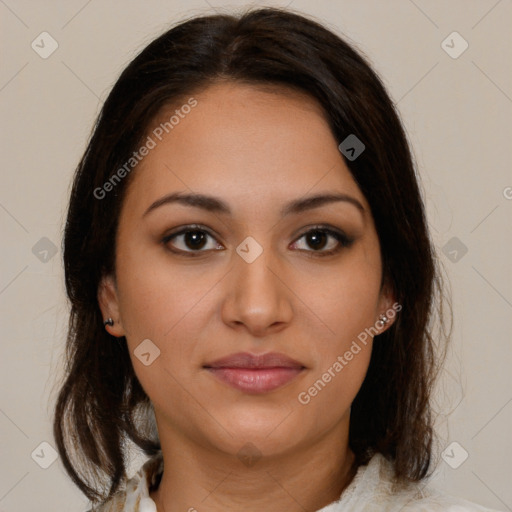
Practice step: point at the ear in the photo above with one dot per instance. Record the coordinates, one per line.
(109, 305)
(388, 306)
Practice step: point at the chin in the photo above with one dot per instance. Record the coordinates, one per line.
(249, 447)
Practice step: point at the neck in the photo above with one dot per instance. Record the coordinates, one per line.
(197, 479)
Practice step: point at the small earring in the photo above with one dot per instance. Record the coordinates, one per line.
(108, 321)
(382, 321)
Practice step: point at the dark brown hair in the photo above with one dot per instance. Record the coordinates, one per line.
(97, 406)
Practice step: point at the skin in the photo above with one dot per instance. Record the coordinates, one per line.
(257, 150)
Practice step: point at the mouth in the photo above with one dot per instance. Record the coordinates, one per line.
(255, 374)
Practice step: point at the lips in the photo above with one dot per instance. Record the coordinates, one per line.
(260, 373)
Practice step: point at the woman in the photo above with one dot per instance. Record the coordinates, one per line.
(252, 282)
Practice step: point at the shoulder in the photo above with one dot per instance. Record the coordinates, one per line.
(445, 503)
(116, 503)
(136, 490)
(373, 490)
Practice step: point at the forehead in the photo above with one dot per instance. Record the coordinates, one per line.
(246, 143)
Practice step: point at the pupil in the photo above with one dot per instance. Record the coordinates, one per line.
(195, 239)
(315, 237)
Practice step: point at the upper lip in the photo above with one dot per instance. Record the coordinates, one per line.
(247, 360)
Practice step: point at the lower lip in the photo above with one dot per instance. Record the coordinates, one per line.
(257, 380)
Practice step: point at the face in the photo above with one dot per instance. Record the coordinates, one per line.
(254, 269)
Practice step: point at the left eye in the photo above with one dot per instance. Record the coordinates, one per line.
(318, 237)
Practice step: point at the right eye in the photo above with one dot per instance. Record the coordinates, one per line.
(192, 239)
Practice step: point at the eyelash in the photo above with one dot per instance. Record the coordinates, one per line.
(344, 240)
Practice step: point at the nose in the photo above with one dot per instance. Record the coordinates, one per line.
(258, 298)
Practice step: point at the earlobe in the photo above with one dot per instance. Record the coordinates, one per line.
(109, 306)
(388, 309)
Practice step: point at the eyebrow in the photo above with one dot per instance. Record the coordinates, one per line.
(217, 205)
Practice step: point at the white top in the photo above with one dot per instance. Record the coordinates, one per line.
(371, 490)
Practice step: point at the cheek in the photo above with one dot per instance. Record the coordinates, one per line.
(333, 387)
(346, 305)
(168, 305)
(345, 300)
(154, 294)
(158, 307)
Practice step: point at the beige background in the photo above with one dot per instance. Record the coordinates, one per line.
(458, 114)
